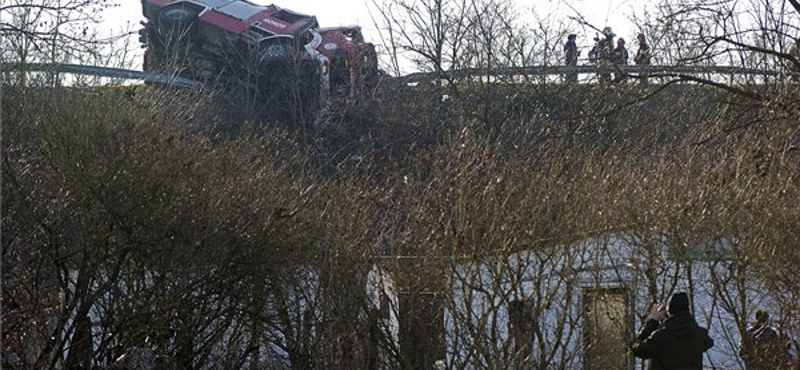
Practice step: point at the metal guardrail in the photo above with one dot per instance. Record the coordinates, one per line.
(648, 71)
(126, 74)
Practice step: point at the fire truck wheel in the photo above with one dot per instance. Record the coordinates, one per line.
(177, 18)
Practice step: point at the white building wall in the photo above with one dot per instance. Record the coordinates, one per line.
(553, 282)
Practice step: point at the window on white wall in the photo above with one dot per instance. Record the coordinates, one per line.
(607, 329)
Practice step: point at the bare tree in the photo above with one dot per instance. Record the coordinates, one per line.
(51, 31)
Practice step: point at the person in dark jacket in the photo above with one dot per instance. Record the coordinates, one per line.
(605, 50)
(571, 53)
(594, 50)
(671, 338)
(620, 58)
(620, 54)
(762, 347)
(643, 56)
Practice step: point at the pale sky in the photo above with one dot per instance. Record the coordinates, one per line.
(601, 13)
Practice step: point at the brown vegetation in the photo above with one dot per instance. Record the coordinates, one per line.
(190, 241)
(414, 229)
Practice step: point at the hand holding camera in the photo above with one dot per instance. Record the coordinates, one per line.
(658, 312)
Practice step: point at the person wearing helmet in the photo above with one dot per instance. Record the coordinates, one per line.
(605, 50)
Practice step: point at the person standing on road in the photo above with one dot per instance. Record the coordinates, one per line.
(643, 56)
(620, 58)
(594, 50)
(605, 50)
(571, 57)
(671, 338)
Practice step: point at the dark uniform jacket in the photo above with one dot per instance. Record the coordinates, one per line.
(761, 349)
(620, 55)
(571, 53)
(677, 344)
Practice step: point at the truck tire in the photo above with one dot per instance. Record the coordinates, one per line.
(275, 54)
(177, 19)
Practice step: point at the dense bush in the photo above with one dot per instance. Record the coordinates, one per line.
(223, 251)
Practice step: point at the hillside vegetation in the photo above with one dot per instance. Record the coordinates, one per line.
(144, 201)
